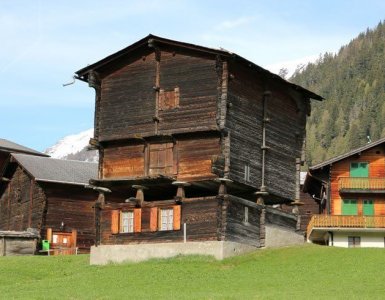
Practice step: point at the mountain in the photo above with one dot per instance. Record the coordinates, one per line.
(353, 83)
(74, 147)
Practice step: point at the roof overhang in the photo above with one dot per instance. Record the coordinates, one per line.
(347, 154)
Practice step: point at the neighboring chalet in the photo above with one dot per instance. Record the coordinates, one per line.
(190, 139)
(49, 196)
(350, 190)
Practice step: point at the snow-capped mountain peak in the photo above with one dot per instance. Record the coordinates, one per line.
(74, 147)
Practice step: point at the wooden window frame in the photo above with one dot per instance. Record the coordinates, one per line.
(168, 221)
(176, 218)
(116, 220)
(130, 228)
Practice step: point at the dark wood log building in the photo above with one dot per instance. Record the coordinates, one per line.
(192, 135)
(49, 194)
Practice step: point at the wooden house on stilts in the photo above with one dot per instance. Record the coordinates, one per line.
(193, 144)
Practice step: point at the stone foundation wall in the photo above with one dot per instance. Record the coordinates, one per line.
(105, 254)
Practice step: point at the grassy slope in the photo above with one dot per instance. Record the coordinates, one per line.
(297, 272)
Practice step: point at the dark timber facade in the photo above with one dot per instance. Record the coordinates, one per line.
(188, 135)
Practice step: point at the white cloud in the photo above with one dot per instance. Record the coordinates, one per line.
(231, 24)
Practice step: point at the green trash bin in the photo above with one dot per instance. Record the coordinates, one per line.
(45, 245)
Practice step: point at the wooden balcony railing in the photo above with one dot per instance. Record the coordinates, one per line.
(325, 221)
(361, 184)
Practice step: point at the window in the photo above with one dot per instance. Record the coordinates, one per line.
(247, 173)
(166, 219)
(168, 99)
(161, 159)
(127, 221)
(359, 169)
(246, 215)
(349, 207)
(354, 241)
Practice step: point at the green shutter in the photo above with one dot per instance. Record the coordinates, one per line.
(359, 169)
(349, 207)
(368, 208)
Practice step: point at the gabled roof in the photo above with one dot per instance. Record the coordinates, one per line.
(57, 170)
(8, 146)
(350, 153)
(151, 40)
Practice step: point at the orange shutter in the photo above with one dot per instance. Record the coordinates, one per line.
(176, 224)
(114, 221)
(137, 219)
(153, 219)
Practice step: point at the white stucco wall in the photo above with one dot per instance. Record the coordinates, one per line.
(368, 239)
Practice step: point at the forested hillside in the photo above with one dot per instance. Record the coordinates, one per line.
(353, 84)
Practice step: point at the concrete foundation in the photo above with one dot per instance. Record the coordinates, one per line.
(278, 236)
(105, 254)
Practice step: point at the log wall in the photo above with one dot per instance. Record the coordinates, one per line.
(199, 214)
(72, 205)
(129, 105)
(123, 161)
(376, 159)
(193, 159)
(196, 156)
(196, 79)
(22, 203)
(284, 131)
(249, 230)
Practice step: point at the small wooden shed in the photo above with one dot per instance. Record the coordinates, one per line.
(18, 242)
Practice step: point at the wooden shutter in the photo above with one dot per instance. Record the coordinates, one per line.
(115, 221)
(153, 219)
(137, 219)
(161, 158)
(169, 159)
(169, 99)
(177, 211)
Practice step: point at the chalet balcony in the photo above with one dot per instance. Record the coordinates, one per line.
(321, 224)
(361, 185)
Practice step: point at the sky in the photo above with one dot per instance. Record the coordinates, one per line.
(44, 42)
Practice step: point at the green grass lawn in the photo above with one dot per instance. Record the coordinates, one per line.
(305, 272)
